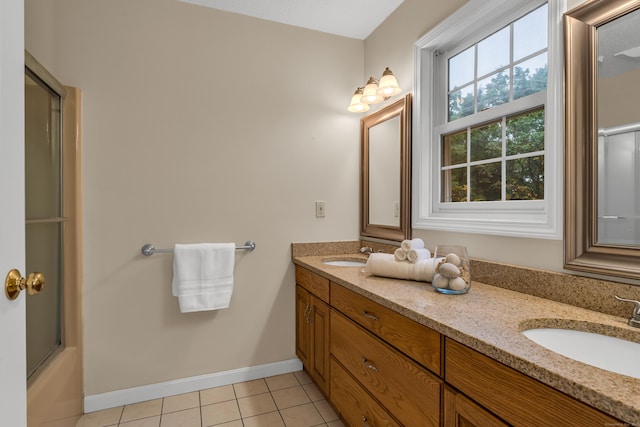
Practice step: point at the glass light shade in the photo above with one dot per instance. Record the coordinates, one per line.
(388, 84)
(356, 105)
(370, 95)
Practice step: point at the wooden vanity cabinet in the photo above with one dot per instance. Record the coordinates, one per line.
(312, 326)
(380, 368)
(517, 399)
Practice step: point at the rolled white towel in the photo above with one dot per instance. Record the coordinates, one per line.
(416, 243)
(385, 265)
(415, 255)
(400, 255)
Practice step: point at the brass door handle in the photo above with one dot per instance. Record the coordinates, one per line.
(14, 283)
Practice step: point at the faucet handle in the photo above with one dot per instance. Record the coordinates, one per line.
(635, 315)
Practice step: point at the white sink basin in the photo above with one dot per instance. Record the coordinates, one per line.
(344, 263)
(602, 351)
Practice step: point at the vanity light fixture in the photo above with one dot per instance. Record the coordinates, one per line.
(356, 105)
(374, 92)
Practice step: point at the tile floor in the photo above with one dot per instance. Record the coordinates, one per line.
(289, 400)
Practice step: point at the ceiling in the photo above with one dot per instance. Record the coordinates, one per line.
(349, 18)
(619, 45)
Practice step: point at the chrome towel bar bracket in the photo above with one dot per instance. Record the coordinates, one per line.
(149, 249)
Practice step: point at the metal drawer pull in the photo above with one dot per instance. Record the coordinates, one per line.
(369, 365)
(365, 422)
(369, 315)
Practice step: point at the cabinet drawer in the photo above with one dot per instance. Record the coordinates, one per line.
(415, 340)
(513, 396)
(461, 411)
(404, 388)
(354, 404)
(317, 285)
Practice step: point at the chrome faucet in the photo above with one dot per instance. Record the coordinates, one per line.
(634, 320)
(366, 250)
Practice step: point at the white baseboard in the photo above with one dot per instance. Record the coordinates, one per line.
(112, 399)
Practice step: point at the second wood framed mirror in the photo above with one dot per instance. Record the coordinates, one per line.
(602, 169)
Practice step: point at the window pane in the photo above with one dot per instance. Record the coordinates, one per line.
(493, 91)
(493, 52)
(530, 76)
(525, 133)
(454, 185)
(530, 33)
(525, 178)
(486, 142)
(461, 103)
(461, 68)
(454, 149)
(486, 182)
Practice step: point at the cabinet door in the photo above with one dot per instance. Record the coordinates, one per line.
(319, 366)
(459, 411)
(303, 327)
(312, 337)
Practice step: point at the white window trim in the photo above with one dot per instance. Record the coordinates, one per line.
(473, 21)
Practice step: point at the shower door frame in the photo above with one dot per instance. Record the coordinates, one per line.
(55, 395)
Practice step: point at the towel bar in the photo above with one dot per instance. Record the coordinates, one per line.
(149, 249)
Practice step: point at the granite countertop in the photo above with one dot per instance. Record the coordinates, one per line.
(490, 320)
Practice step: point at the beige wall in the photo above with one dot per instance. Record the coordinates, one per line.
(618, 99)
(199, 126)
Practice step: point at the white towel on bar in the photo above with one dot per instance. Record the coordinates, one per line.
(203, 275)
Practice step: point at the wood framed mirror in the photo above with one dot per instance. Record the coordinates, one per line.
(385, 180)
(602, 74)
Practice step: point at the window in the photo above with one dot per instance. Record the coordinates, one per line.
(488, 143)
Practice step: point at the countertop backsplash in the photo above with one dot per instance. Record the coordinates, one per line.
(585, 292)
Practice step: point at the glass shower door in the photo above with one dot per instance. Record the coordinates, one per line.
(44, 220)
(619, 188)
